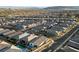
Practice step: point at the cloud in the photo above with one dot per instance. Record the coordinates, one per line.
(38, 3)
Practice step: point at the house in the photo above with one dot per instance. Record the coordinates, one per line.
(37, 41)
(4, 45)
(14, 49)
(4, 31)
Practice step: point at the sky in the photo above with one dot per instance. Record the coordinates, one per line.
(39, 3)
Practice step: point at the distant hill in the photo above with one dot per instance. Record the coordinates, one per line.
(19, 7)
(56, 8)
(20, 11)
